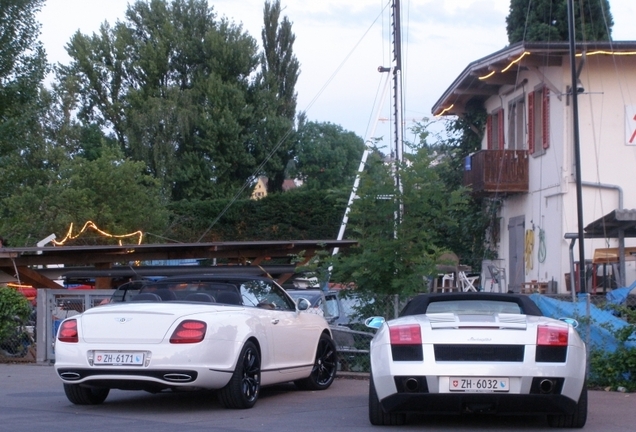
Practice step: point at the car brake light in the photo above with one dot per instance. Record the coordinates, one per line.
(410, 334)
(189, 331)
(68, 332)
(554, 336)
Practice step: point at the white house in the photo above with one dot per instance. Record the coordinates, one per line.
(526, 164)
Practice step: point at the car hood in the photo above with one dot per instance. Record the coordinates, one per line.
(139, 322)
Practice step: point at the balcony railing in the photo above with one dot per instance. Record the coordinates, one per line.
(490, 172)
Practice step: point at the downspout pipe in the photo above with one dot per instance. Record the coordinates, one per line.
(621, 233)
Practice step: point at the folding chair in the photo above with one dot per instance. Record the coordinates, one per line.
(467, 283)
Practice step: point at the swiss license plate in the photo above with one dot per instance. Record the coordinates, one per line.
(118, 358)
(481, 384)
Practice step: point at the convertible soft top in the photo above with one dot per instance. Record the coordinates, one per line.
(419, 304)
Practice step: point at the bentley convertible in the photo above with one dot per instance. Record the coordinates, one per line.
(476, 353)
(233, 334)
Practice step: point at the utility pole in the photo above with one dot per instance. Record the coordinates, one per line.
(577, 148)
(398, 138)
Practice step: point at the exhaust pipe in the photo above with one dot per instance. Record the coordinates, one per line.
(412, 385)
(546, 386)
(177, 377)
(70, 376)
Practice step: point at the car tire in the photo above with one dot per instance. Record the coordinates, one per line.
(377, 416)
(575, 420)
(79, 395)
(325, 366)
(244, 387)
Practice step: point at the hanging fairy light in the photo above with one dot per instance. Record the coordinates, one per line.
(91, 225)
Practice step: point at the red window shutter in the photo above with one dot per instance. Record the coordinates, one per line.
(500, 124)
(531, 122)
(546, 118)
(489, 131)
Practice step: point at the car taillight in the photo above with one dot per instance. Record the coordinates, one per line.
(406, 334)
(68, 332)
(189, 331)
(553, 336)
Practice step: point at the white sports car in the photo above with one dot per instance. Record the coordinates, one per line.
(476, 353)
(231, 333)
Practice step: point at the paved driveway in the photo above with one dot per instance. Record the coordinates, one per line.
(32, 399)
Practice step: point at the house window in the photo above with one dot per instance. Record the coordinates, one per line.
(516, 125)
(495, 130)
(539, 121)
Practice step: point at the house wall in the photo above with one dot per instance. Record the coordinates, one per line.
(605, 125)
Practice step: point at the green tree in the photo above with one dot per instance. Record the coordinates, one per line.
(327, 156)
(547, 21)
(462, 136)
(277, 96)
(22, 70)
(110, 190)
(175, 85)
(395, 258)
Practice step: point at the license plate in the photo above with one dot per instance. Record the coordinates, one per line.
(474, 384)
(118, 358)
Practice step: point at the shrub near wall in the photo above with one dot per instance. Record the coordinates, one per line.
(12, 305)
(294, 215)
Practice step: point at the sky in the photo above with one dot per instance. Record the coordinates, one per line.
(341, 43)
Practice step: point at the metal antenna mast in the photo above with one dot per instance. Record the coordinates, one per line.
(398, 143)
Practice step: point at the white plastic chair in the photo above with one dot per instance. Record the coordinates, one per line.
(467, 282)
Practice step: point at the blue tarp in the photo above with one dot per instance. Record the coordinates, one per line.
(618, 296)
(604, 324)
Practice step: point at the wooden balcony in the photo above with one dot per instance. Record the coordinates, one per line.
(491, 172)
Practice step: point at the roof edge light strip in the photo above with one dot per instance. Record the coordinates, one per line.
(513, 62)
(445, 110)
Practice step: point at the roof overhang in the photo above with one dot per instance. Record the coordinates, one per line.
(610, 225)
(499, 72)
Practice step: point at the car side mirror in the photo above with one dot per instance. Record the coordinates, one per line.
(303, 304)
(574, 323)
(374, 322)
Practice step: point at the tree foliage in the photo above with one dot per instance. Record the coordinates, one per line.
(22, 70)
(327, 156)
(276, 96)
(395, 258)
(175, 85)
(111, 191)
(547, 21)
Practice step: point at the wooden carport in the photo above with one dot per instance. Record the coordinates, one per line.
(28, 264)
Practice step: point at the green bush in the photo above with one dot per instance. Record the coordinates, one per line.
(12, 304)
(618, 368)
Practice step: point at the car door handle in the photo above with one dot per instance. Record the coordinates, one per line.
(275, 320)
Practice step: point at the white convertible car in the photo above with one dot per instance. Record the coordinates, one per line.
(476, 353)
(231, 333)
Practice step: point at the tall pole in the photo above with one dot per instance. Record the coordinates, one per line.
(398, 149)
(577, 147)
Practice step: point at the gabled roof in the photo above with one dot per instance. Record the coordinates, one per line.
(486, 77)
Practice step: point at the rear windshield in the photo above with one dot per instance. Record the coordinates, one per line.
(474, 307)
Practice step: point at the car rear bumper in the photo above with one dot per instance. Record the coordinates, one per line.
(451, 403)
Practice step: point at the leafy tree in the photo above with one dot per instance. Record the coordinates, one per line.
(327, 156)
(547, 20)
(395, 258)
(462, 136)
(111, 191)
(175, 86)
(22, 70)
(277, 96)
